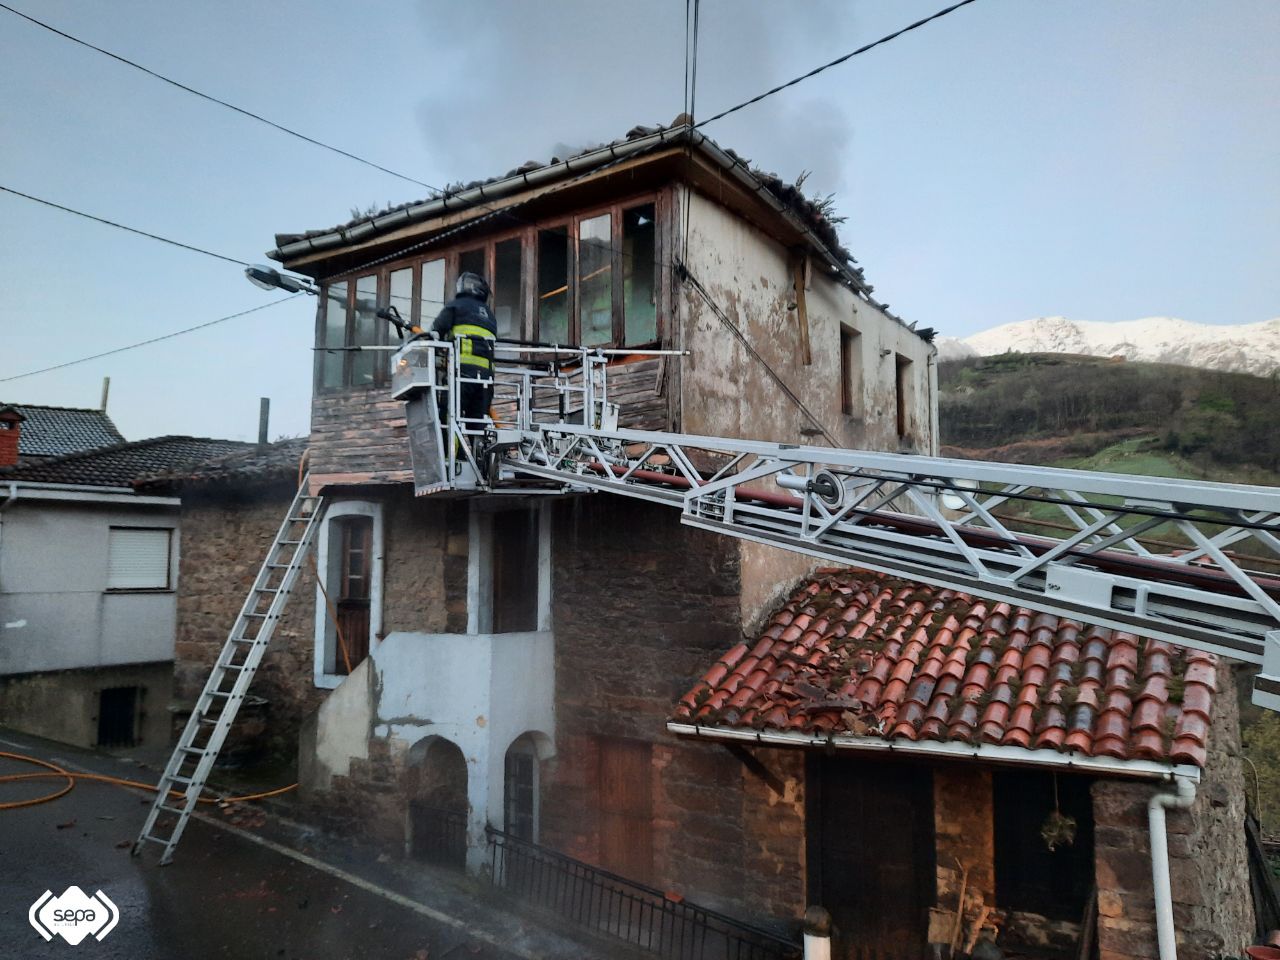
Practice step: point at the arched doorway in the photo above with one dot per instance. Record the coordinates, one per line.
(437, 787)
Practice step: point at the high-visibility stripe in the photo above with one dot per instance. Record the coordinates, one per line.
(470, 360)
(472, 330)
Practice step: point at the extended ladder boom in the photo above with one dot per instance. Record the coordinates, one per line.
(956, 523)
(948, 522)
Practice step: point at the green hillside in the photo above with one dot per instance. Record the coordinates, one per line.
(1071, 411)
(1091, 413)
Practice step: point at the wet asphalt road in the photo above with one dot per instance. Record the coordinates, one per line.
(223, 896)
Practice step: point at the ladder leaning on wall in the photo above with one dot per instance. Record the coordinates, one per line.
(215, 711)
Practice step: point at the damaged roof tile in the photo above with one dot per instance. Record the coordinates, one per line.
(924, 663)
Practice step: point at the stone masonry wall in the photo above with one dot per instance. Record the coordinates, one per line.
(964, 835)
(641, 608)
(225, 538)
(1212, 910)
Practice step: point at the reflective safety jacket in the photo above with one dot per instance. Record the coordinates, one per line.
(472, 326)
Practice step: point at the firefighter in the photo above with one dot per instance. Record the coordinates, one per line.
(468, 321)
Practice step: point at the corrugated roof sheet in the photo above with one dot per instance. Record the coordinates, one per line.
(55, 431)
(119, 465)
(863, 654)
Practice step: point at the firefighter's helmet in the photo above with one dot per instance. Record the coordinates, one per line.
(472, 285)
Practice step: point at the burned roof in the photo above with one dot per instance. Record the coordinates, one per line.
(55, 431)
(120, 464)
(860, 655)
(811, 217)
(255, 463)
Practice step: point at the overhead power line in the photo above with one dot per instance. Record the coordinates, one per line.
(144, 343)
(212, 99)
(121, 226)
(834, 63)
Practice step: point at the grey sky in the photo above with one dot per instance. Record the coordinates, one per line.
(1101, 160)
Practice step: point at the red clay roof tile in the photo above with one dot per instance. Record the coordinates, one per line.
(863, 654)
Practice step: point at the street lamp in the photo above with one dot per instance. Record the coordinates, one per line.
(269, 278)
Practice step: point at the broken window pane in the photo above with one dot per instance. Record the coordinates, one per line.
(595, 280)
(333, 335)
(508, 298)
(472, 261)
(432, 296)
(364, 331)
(553, 285)
(639, 291)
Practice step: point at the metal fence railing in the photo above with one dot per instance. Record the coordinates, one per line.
(617, 907)
(439, 835)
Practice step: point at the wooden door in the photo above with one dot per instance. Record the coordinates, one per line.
(871, 855)
(626, 808)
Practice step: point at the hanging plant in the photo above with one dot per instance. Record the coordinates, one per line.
(1058, 829)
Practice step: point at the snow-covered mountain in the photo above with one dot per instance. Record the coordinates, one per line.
(1245, 348)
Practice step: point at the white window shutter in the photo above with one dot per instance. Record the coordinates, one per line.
(138, 559)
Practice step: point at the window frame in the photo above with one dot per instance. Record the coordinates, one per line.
(529, 323)
(170, 574)
(325, 653)
(381, 370)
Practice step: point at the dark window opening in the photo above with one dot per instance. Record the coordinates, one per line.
(515, 571)
(473, 261)
(850, 371)
(553, 285)
(904, 389)
(350, 589)
(118, 716)
(1029, 876)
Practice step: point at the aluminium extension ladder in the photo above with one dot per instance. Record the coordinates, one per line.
(225, 690)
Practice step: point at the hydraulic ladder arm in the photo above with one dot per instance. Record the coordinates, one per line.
(953, 523)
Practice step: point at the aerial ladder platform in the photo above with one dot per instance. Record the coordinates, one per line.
(553, 430)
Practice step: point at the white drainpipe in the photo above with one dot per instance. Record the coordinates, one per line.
(1156, 807)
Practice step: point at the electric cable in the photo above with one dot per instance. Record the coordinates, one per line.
(836, 62)
(212, 99)
(121, 226)
(143, 343)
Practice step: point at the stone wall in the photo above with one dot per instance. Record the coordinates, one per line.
(964, 835)
(63, 705)
(1212, 910)
(225, 538)
(642, 606)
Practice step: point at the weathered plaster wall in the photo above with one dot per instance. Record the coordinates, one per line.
(727, 392)
(55, 610)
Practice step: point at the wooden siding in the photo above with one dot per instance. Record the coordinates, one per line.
(359, 435)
